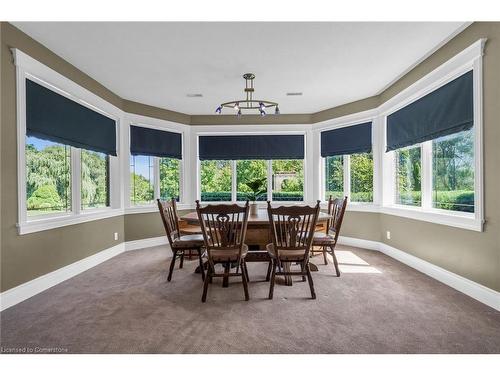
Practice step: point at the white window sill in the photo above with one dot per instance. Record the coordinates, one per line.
(45, 223)
(461, 220)
(154, 208)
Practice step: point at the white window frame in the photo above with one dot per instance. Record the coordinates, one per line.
(27, 67)
(228, 130)
(351, 120)
(157, 124)
(467, 60)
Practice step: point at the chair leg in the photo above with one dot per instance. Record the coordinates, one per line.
(335, 263)
(273, 277)
(244, 277)
(244, 265)
(205, 284)
(172, 264)
(268, 275)
(311, 284)
(182, 260)
(200, 258)
(225, 279)
(303, 270)
(324, 255)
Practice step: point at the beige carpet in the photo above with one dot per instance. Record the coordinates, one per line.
(125, 305)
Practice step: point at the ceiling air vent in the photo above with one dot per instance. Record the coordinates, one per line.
(194, 95)
(293, 94)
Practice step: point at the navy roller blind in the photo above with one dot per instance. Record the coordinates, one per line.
(152, 142)
(251, 147)
(56, 118)
(349, 140)
(447, 110)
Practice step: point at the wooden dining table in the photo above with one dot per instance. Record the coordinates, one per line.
(258, 234)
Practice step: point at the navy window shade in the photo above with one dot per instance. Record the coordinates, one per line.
(251, 147)
(53, 117)
(349, 140)
(447, 110)
(153, 142)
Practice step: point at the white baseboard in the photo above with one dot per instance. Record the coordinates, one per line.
(357, 242)
(147, 242)
(24, 291)
(477, 291)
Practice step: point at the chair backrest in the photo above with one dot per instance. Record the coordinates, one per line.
(292, 227)
(224, 226)
(336, 209)
(168, 213)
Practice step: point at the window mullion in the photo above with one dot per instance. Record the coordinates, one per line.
(426, 175)
(76, 180)
(270, 180)
(233, 181)
(347, 176)
(156, 177)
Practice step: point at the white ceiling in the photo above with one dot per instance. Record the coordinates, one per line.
(160, 63)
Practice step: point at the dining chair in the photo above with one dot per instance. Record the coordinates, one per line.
(180, 244)
(224, 229)
(292, 230)
(328, 240)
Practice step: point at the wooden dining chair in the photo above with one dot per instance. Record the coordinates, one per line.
(180, 244)
(292, 230)
(328, 240)
(224, 229)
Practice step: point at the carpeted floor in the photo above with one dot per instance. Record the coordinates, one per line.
(125, 305)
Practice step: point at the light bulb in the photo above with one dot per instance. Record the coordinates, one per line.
(262, 112)
(237, 106)
(262, 106)
(218, 110)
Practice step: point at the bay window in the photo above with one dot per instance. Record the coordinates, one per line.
(67, 150)
(155, 165)
(235, 167)
(432, 141)
(348, 162)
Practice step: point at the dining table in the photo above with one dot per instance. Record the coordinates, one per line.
(258, 235)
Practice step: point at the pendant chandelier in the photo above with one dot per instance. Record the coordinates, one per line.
(249, 103)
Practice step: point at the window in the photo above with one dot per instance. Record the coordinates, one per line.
(361, 166)
(284, 177)
(141, 180)
(408, 176)
(94, 188)
(349, 175)
(216, 180)
(334, 176)
(48, 177)
(248, 172)
(453, 172)
(170, 171)
(288, 180)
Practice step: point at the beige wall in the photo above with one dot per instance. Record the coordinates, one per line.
(26, 257)
(471, 254)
